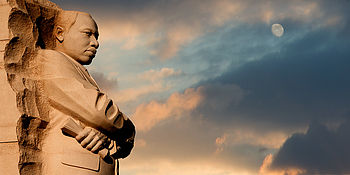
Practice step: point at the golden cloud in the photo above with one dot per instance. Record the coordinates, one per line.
(265, 168)
(177, 105)
(130, 94)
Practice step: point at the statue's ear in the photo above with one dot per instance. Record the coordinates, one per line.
(59, 33)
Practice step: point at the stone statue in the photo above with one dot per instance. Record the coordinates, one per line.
(67, 125)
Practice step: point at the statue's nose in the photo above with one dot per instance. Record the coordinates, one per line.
(94, 42)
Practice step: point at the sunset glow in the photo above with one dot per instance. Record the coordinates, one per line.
(212, 91)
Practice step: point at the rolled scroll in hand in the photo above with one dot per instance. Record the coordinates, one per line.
(72, 129)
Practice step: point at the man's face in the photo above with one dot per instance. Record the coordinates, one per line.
(80, 41)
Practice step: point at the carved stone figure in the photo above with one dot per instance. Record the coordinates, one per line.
(67, 125)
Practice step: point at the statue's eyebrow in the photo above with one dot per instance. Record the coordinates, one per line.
(87, 28)
(91, 30)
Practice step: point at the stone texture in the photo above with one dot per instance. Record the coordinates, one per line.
(4, 13)
(2, 2)
(9, 151)
(24, 18)
(9, 155)
(9, 158)
(1, 60)
(9, 113)
(2, 47)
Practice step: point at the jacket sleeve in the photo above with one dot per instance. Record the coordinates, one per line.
(70, 93)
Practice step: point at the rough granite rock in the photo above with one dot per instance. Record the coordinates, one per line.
(30, 24)
(9, 113)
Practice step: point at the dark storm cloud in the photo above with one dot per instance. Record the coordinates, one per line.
(306, 80)
(319, 151)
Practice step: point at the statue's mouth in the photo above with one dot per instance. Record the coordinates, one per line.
(92, 50)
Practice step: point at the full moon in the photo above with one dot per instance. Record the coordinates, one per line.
(277, 30)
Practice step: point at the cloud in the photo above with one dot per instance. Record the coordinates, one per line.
(156, 75)
(319, 151)
(303, 80)
(189, 142)
(132, 94)
(167, 27)
(265, 168)
(242, 135)
(104, 82)
(251, 110)
(148, 115)
(155, 83)
(279, 92)
(182, 104)
(161, 167)
(172, 130)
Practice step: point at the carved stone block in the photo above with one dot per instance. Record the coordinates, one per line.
(9, 113)
(9, 151)
(9, 158)
(4, 13)
(2, 48)
(3, 2)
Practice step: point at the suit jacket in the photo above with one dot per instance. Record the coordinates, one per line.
(73, 94)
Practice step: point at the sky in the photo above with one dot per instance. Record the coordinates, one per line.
(212, 91)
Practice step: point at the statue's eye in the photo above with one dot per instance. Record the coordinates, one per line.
(88, 33)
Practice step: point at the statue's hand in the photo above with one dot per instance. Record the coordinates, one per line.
(91, 139)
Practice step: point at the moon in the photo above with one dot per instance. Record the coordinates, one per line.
(277, 30)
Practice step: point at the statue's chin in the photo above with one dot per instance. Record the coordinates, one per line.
(86, 59)
(87, 62)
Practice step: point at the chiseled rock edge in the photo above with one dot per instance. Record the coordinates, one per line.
(30, 24)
